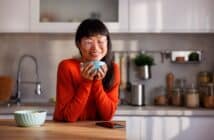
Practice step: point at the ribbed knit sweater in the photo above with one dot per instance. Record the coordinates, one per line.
(81, 99)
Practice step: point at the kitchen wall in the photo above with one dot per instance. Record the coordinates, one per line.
(50, 49)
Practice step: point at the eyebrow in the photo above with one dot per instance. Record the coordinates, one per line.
(99, 38)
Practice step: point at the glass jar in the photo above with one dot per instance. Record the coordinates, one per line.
(177, 97)
(208, 100)
(192, 97)
(161, 97)
(204, 78)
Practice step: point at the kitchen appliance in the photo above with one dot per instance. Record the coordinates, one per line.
(137, 94)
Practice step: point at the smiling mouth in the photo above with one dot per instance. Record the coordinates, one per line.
(94, 54)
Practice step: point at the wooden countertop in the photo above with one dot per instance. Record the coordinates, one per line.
(86, 130)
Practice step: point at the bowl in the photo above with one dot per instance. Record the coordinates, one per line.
(97, 64)
(28, 118)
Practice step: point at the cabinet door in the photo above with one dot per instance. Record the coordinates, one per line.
(14, 16)
(203, 17)
(133, 127)
(65, 15)
(160, 15)
(177, 128)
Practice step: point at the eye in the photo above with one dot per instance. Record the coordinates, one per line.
(101, 42)
(88, 42)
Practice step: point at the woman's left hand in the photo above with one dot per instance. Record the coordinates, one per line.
(101, 72)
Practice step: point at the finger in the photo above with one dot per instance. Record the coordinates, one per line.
(98, 76)
(87, 68)
(101, 71)
(104, 68)
(93, 73)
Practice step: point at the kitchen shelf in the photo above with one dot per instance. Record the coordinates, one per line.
(188, 62)
(184, 56)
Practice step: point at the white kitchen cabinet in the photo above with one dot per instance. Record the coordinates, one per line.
(171, 16)
(65, 15)
(203, 17)
(133, 127)
(168, 127)
(177, 128)
(14, 16)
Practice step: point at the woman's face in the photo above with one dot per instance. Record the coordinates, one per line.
(93, 47)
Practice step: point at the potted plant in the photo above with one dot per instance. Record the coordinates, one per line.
(193, 56)
(143, 64)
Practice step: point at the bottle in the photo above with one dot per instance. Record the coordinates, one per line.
(169, 85)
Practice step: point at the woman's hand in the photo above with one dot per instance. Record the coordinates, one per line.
(101, 72)
(87, 71)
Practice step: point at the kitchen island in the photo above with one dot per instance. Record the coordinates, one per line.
(85, 130)
(148, 122)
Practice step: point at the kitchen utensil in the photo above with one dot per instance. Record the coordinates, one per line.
(137, 94)
(27, 118)
(123, 71)
(6, 84)
(128, 84)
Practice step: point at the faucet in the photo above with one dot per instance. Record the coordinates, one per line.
(19, 81)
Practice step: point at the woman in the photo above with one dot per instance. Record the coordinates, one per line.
(84, 93)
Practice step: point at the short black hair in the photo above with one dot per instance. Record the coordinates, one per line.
(91, 27)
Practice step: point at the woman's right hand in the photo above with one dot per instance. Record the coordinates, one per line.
(87, 71)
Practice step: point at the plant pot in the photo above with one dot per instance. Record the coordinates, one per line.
(144, 72)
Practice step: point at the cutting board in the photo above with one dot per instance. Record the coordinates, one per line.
(6, 84)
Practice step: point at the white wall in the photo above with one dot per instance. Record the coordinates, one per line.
(49, 49)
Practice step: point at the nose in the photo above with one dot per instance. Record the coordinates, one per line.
(95, 45)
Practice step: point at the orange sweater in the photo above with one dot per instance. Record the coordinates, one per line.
(81, 99)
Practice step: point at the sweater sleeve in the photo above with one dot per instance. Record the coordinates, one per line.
(107, 101)
(70, 102)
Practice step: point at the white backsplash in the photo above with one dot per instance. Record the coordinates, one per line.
(50, 49)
